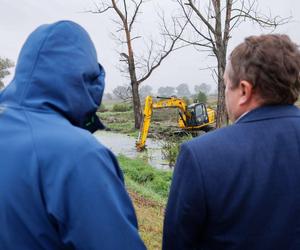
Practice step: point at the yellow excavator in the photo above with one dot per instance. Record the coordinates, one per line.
(191, 118)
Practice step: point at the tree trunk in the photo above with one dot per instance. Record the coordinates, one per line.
(221, 110)
(222, 117)
(134, 83)
(136, 105)
(220, 52)
(135, 92)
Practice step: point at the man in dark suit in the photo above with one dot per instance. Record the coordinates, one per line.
(239, 187)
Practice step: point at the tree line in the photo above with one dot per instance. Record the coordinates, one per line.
(124, 93)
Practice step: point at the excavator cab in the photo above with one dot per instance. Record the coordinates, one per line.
(198, 113)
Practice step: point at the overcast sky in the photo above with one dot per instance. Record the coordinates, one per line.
(19, 18)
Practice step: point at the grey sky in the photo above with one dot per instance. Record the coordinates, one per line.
(19, 18)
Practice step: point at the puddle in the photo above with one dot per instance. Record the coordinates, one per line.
(124, 144)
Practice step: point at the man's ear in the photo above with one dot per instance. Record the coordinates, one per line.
(246, 92)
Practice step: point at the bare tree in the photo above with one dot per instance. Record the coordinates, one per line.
(138, 68)
(203, 87)
(123, 92)
(211, 23)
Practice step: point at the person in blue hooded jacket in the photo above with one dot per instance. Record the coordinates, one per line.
(59, 187)
(238, 188)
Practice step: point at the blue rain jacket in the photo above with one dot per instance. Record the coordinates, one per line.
(59, 188)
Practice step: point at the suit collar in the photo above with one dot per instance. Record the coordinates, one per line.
(270, 112)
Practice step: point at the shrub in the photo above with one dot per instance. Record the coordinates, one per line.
(171, 147)
(200, 97)
(122, 107)
(170, 150)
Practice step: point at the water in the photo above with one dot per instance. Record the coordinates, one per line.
(124, 144)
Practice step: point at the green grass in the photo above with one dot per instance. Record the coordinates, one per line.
(144, 192)
(120, 122)
(149, 182)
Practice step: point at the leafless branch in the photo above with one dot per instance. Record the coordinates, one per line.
(227, 22)
(136, 37)
(188, 17)
(123, 92)
(208, 68)
(119, 12)
(198, 13)
(214, 75)
(125, 10)
(201, 43)
(166, 50)
(136, 11)
(251, 12)
(99, 8)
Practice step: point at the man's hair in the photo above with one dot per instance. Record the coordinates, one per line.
(271, 63)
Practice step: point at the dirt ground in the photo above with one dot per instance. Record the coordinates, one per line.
(150, 218)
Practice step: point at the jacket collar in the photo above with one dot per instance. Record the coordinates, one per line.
(270, 112)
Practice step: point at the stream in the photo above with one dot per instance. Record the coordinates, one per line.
(124, 144)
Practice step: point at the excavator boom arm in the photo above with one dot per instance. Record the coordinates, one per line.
(171, 102)
(140, 144)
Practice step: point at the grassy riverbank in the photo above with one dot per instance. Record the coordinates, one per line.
(148, 188)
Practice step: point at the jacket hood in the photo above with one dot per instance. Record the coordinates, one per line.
(58, 71)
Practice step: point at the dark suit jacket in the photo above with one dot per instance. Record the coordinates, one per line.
(239, 187)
